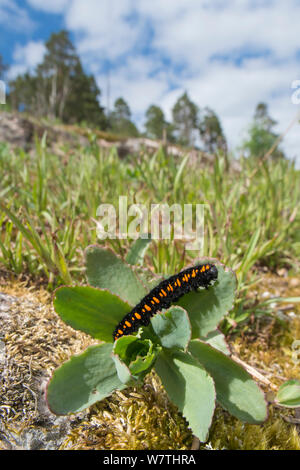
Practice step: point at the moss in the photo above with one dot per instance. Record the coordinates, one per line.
(267, 343)
(37, 341)
(275, 434)
(133, 419)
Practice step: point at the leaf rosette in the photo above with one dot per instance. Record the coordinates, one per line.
(182, 344)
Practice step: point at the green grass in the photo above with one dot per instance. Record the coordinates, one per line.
(48, 206)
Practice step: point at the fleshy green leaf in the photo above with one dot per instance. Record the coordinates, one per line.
(123, 371)
(94, 311)
(173, 328)
(217, 340)
(137, 251)
(236, 390)
(147, 277)
(206, 308)
(189, 387)
(137, 354)
(83, 380)
(106, 270)
(288, 394)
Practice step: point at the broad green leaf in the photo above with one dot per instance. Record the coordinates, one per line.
(147, 277)
(189, 387)
(83, 380)
(236, 390)
(123, 371)
(173, 328)
(137, 251)
(217, 340)
(137, 354)
(206, 308)
(106, 270)
(94, 311)
(288, 394)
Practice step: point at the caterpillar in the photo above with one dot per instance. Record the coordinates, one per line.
(165, 293)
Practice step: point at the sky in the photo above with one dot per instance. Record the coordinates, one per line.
(227, 54)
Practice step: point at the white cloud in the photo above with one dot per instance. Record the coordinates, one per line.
(26, 58)
(103, 30)
(192, 32)
(228, 54)
(54, 6)
(133, 81)
(14, 17)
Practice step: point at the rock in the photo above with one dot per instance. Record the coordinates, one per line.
(19, 131)
(16, 130)
(5, 304)
(27, 330)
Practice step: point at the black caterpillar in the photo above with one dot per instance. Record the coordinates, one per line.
(168, 291)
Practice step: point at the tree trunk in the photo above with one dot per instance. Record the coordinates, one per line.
(65, 92)
(53, 96)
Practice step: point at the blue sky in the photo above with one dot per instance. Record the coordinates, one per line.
(228, 54)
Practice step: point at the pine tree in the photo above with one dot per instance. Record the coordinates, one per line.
(120, 119)
(57, 71)
(155, 123)
(185, 114)
(211, 132)
(59, 87)
(261, 135)
(83, 102)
